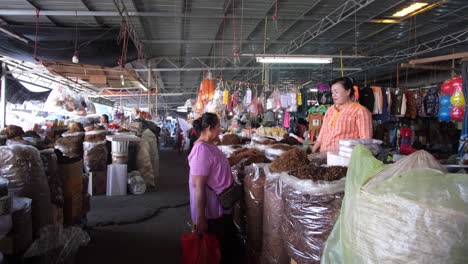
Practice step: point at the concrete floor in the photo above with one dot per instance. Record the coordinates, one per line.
(141, 228)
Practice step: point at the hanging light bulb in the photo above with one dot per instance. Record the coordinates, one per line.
(75, 57)
(122, 80)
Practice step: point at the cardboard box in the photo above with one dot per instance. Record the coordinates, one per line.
(97, 183)
(72, 178)
(57, 215)
(72, 209)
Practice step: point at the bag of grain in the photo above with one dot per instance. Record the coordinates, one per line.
(407, 212)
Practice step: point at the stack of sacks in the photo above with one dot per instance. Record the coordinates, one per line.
(71, 142)
(95, 150)
(346, 146)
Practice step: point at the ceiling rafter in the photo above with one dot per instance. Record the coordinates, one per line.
(98, 20)
(340, 14)
(277, 36)
(39, 8)
(426, 47)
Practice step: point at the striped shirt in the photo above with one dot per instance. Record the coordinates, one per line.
(353, 122)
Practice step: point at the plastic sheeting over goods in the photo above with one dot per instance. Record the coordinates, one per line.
(407, 212)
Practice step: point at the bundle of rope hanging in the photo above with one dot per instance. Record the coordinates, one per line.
(123, 38)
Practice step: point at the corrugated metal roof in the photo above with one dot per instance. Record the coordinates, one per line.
(186, 29)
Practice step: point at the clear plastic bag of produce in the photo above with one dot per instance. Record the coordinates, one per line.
(143, 162)
(407, 212)
(310, 210)
(22, 166)
(273, 250)
(136, 183)
(95, 156)
(57, 244)
(254, 184)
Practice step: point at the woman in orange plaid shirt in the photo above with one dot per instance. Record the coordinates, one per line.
(346, 119)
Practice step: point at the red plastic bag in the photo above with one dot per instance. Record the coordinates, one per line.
(198, 249)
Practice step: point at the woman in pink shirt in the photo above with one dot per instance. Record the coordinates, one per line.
(210, 174)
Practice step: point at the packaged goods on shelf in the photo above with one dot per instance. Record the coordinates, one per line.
(382, 199)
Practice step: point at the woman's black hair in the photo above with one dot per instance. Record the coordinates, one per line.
(106, 117)
(205, 121)
(347, 83)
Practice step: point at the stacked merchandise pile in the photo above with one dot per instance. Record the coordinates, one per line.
(346, 147)
(95, 158)
(46, 186)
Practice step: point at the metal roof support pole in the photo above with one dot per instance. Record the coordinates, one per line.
(3, 97)
(149, 87)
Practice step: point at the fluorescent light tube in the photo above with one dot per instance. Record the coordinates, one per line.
(410, 9)
(143, 87)
(170, 94)
(294, 59)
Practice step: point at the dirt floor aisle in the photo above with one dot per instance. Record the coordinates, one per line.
(141, 229)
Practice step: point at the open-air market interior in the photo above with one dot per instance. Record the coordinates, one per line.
(233, 131)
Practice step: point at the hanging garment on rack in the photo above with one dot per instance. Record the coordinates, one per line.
(419, 101)
(378, 100)
(431, 103)
(356, 92)
(315, 123)
(389, 100)
(397, 101)
(403, 105)
(410, 105)
(366, 98)
(385, 116)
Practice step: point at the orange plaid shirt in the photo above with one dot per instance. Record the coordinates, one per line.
(353, 122)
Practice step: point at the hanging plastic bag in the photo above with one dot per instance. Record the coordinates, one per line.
(200, 249)
(285, 100)
(253, 107)
(136, 183)
(225, 96)
(248, 97)
(407, 212)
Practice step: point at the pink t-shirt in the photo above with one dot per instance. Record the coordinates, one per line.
(207, 160)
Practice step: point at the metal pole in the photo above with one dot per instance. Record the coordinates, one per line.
(3, 97)
(156, 99)
(149, 87)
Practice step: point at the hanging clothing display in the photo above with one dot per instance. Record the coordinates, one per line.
(410, 105)
(419, 102)
(397, 101)
(366, 98)
(315, 123)
(378, 100)
(431, 103)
